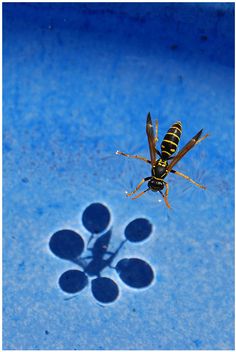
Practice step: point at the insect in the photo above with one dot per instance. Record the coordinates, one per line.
(164, 165)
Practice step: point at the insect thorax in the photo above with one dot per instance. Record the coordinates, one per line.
(159, 170)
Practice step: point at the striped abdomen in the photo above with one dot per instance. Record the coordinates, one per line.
(171, 140)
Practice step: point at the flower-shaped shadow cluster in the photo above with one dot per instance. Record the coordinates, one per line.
(94, 257)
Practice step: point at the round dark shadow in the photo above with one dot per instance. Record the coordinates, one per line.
(135, 272)
(96, 217)
(138, 230)
(104, 290)
(73, 281)
(66, 244)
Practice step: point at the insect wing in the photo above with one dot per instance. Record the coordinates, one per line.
(184, 150)
(151, 139)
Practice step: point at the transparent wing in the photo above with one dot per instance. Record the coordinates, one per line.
(184, 150)
(151, 139)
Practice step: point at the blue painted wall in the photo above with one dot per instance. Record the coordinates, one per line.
(78, 82)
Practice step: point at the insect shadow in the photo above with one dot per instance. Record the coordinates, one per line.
(100, 256)
(95, 256)
(69, 245)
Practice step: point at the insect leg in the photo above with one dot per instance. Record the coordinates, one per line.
(140, 194)
(134, 156)
(187, 178)
(139, 185)
(201, 139)
(166, 201)
(166, 195)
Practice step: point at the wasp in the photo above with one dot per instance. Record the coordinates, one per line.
(163, 165)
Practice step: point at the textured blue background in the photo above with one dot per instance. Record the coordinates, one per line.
(78, 81)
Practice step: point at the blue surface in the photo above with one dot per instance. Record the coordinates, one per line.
(78, 82)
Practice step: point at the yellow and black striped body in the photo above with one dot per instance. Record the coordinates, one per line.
(171, 140)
